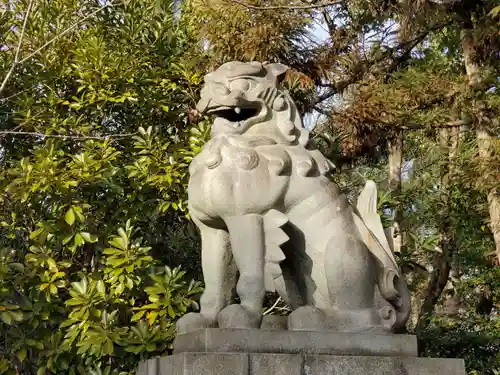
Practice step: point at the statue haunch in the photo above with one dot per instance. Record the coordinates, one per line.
(270, 218)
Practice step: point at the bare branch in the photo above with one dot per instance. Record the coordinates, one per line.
(405, 125)
(272, 307)
(414, 125)
(444, 2)
(16, 58)
(337, 88)
(320, 110)
(73, 137)
(359, 70)
(288, 7)
(2, 100)
(58, 36)
(329, 22)
(18, 49)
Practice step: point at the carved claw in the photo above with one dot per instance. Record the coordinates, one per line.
(238, 317)
(192, 322)
(307, 318)
(388, 316)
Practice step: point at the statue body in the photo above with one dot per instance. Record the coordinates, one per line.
(271, 219)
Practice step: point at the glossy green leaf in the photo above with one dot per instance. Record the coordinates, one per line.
(69, 217)
(21, 354)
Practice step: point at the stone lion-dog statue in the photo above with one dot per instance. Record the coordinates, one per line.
(271, 219)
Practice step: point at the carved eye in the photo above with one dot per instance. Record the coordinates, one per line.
(219, 89)
(240, 85)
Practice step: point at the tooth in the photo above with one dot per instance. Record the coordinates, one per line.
(237, 110)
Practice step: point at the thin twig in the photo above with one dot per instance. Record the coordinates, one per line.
(66, 31)
(18, 49)
(2, 100)
(320, 110)
(19, 126)
(273, 306)
(288, 7)
(359, 70)
(414, 125)
(58, 36)
(75, 137)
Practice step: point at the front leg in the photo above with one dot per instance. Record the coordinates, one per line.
(219, 273)
(248, 248)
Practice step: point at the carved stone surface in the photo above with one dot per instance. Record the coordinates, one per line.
(267, 341)
(260, 194)
(297, 364)
(271, 218)
(274, 322)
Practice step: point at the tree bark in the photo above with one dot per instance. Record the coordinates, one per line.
(395, 146)
(440, 274)
(441, 264)
(484, 137)
(494, 207)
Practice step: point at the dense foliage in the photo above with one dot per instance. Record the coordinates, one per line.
(95, 144)
(97, 129)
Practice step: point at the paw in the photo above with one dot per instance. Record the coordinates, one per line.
(192, 322)
(274, 322)
(307, 318)
(237, 316)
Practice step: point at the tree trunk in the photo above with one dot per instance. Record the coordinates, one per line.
(494, 207)
(484, 137)
(395, 146)
(440, 274)
(441, 264)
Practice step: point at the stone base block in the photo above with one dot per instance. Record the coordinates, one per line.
(296, 364)
(214, 340)
(281, 352)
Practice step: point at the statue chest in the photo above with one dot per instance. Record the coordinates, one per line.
(238, 183)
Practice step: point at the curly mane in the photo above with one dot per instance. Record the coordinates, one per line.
(242, 87)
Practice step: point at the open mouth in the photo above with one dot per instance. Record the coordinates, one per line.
(234, 114)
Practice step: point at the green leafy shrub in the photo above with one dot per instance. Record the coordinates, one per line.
(110, 318)
(96, 133)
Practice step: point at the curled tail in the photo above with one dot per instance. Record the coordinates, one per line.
(391, 282)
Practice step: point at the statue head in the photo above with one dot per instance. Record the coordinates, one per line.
(246, 98)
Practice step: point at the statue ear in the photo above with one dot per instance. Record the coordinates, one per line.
(276, 71)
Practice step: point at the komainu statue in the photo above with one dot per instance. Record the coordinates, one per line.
(271, 219)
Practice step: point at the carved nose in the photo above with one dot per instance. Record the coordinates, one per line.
(203, 104)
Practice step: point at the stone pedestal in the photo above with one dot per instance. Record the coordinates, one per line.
(270, 352)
